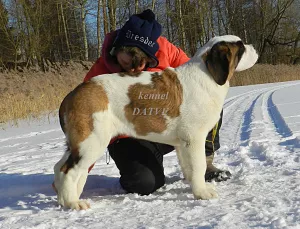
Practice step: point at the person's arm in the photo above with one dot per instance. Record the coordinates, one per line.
(105, 64)
(98, 68)
(177, 56)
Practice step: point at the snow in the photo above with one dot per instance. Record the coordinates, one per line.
(259, 145)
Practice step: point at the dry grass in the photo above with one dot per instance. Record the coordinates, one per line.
(266, 73)
(31, 94)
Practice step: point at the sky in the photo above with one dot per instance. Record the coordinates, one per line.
(260, 146)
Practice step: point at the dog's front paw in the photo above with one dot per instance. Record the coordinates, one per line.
(79, 205)
(208, 193)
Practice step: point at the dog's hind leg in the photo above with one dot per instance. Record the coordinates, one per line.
(72, 170)
(66, 178)
(197, 160)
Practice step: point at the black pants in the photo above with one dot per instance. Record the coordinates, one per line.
(141, 162)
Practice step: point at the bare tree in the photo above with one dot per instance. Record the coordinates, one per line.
(64, 24)
(136, 6)
(34, 31)
(270, 27)
(153, 5)
(82, 4)
(182, 39)
(105, 20)
(8, 44)
(112, 14)
(99, 40)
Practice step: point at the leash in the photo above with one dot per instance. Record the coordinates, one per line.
(214, 133)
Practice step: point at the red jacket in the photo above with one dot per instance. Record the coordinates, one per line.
(168, 55)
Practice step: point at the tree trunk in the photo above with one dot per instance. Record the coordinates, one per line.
(112, 14)
(244, 26)
(211, 18)
(99, 41)
(221, 18)
(167, 3)
(59, 31)
(273, 24)
(83, 26)
(105, 21)
(65, 30)
(153, 5)
(182, 35)
(136, 6)
(229, 14)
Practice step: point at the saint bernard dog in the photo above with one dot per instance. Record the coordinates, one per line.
(177, 106)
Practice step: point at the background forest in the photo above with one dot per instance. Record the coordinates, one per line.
(47, 46)
(42, 32)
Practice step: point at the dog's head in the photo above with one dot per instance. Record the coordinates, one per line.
(225, 54)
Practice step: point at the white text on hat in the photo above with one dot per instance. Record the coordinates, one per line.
(136, 37)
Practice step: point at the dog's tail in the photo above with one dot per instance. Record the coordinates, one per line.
(62, 111)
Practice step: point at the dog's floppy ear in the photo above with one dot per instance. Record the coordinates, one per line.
(222, 60)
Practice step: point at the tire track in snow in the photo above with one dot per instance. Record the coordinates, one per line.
(275, 126)
(263, 134)
(280, 124)
(248, 119)
(234, 121)
(261, 159)
(238, 118)
(264, 121)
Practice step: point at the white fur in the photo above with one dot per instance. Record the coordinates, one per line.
(200, 110)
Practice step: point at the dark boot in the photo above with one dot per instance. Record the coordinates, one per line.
(213, 173)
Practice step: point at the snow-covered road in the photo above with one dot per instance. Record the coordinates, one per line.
(259, 144)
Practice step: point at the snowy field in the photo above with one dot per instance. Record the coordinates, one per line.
(259, 145)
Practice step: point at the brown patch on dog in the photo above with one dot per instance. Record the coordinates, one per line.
(77, 108)
(237, 50)
(222, 60)
(149, 103)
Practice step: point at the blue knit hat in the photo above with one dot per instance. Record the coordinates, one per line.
(142, 31)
